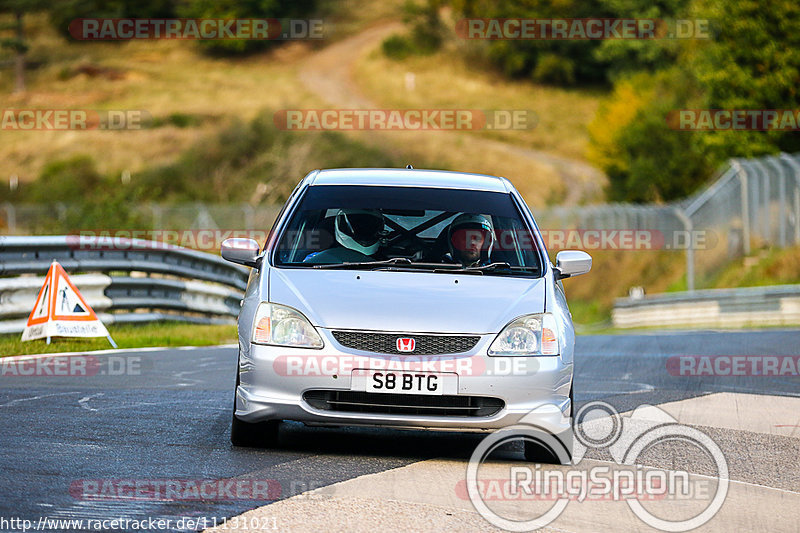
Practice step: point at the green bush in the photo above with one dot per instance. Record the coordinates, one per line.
(65, 11)
(235, 9)
(646, 160)
(426, 35)
(229, 166)
(397, 47)
(555, 70)
(561, 62)
(179, 120)
(662, 163)
(82, 198)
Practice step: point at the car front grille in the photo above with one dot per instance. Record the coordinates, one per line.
(424, 344)
(403, 404)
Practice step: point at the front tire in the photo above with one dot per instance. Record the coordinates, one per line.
(252, 434)
(537, 453)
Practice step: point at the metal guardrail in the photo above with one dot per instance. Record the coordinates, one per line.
(33, 255)
(200, 288)
(749, 306)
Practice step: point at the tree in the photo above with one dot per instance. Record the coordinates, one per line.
(65, 11)
(750, 61)
(560, 62)
(18, 9)
(627, 56)
(753, 62)
(231, 9)
(646, 160)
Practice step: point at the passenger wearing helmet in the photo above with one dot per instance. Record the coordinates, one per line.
(358, 237)
(470, 239)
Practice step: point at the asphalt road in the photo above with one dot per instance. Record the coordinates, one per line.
(165, 415)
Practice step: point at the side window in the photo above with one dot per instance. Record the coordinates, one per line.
(280, 216)
(514, 244)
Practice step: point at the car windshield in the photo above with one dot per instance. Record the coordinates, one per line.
(439, 230)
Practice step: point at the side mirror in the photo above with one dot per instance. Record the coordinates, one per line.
(572, 263)
(242, 251)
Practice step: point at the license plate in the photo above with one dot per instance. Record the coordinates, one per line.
(404, 382)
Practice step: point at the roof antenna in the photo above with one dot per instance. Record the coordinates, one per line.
(409, 167)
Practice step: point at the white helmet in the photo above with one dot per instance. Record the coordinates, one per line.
(359, 229)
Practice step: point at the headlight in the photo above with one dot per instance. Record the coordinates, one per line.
(279, 325)
(528, 335)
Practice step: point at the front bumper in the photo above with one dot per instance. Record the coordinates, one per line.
(273, 380)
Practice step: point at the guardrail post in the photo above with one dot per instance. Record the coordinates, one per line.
(792, 162)
(756, 202)
(62, 212)
(797, 215)
(782, 204)
(766, 214)
(11, 217)
(688, 226)
(157, 216)
(745, 207)
(249, 217)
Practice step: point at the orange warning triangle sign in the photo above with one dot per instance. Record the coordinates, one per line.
(61, 311)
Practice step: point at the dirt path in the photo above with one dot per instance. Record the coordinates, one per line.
(329, 74)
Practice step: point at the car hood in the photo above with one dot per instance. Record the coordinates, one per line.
(406, 301)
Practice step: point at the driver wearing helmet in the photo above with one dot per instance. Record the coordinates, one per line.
(358, 236)
(470, 239)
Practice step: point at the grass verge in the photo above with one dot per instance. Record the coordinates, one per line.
(446, 80)
(126, 336)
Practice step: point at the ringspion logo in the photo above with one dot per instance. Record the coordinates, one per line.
(597, 425)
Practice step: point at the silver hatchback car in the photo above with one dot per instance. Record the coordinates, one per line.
(403, 298)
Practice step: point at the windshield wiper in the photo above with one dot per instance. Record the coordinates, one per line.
(493, 267)
(367, 265)
(404, 262)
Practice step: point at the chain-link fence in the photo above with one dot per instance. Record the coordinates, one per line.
(750, 204)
